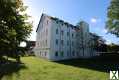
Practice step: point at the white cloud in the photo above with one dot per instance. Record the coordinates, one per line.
(93, 20)
(108, 41)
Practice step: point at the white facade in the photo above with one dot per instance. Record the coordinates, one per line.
(59, 40)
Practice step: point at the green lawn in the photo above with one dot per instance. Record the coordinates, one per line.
(40, 69)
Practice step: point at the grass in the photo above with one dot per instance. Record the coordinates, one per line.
(40, 69)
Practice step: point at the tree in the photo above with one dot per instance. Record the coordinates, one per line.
(97, 42)
(113, 47)
(112, 23)
(14, 26)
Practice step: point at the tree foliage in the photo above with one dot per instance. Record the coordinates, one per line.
(14, 25)
(112, 23)
(113, 47)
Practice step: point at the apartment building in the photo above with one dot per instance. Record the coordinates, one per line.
(59, 40)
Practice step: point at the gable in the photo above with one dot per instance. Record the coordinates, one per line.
(41, 19)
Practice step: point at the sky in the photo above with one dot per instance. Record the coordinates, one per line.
(93, 12)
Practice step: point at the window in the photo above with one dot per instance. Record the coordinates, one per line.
(57, 22)
(40, 53)
(38, 44)
(67, 53)
(56, 41)
(62, 32)
(62, 53)
(56, 53)
(73, 53)
(56, 31)
(72, 35)
(62, 42)
(67, 42)
(67, 33)
(45, 53)
(46, 42)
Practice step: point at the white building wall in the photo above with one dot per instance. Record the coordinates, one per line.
(68, 43)
(68, 46)
(54, 48)
(43, 38)
(64, 38)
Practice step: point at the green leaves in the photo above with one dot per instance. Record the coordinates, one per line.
(112, 23)
(13, 26)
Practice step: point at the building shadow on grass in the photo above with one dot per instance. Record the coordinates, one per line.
(102, 64)
(10, 67)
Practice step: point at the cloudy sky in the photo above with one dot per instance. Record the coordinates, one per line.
(92, 11)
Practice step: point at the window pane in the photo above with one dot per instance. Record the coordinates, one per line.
(67, 33)
(46, 42)
(45, 53)
(56, 53)
(72, 35)
(62, 53)
(73, 53)
(67, 43)
(62, 42)
(56, 31)
(56, 41)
